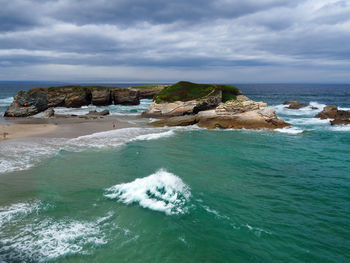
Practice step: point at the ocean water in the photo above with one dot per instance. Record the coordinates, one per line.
(184, 194)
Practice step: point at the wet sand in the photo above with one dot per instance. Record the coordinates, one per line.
(63, 127)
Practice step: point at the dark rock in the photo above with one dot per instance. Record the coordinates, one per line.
(328, 112)
(340, 117)
(126, 97)
(101, 96)
(148, 93)
(294, 105)
(98, 113)
(68, 96)
(176, 121)
(28, 103)
(340, 122)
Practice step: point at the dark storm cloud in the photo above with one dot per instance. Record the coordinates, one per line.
(200, 35)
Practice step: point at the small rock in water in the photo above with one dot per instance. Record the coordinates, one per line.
(294, 105)
(98, 113)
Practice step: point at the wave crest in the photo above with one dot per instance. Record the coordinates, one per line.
(161, 191)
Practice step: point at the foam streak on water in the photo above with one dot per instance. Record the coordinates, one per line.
(45, 239)
(161, 191)
(23, 154)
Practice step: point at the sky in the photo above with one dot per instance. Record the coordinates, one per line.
(225, 41)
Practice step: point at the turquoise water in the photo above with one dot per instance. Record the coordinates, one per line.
(180, 195)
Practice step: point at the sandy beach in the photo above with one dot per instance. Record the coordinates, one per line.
(61, 127)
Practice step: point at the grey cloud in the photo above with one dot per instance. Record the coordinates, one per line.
(183, 35)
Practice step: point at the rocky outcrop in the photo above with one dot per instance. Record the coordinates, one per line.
(101, 96)
(328, 112)
(179, 108)
(237, 114)
(126, 97)
(98, 113)
(148, 92)
(340, 122)
(340, 117)
(28, 103)
(74, 96)
(294, 105)
(68, 96)
(49, 113)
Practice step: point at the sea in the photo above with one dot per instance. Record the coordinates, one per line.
(182, 194)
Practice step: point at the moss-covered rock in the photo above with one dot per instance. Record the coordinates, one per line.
(186, 91)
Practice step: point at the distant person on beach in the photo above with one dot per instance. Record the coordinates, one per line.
(114, 125)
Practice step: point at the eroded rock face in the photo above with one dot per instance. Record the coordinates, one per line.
(149, 93)
(179, 108)
(328, 112)
(340, 117)
(68, 96)
(176, 121)
(28, 103)
(49, 113)
(295, 105)
(242, 113)
(101, 96)
(126, 97)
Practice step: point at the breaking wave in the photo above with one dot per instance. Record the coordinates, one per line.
(40, 240)
(161, 191)
(6, 101)
(290, 130)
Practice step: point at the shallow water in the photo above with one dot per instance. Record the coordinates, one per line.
(181, 194)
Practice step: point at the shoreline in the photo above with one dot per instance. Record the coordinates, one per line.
(71, 127)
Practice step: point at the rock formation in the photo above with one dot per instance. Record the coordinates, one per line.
(212, 112)
(295, 105)
(39, 99)
(126, 97)
(340, 117)
(179, 108)
(148, 91)
(98, 113)
(28, 103)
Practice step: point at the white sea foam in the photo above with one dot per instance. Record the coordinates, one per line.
(154, 136)
(6, 101)
(309, 121)
(161, 191)
(48, 239)
(290, 130)
(306, 111)
(340, 128)
(9, 213)
(16, 155)
(257, 231)
(114, 109)
(45, 239)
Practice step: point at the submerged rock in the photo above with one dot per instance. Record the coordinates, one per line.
(295, 105)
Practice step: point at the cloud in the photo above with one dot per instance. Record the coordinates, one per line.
(201, 37)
